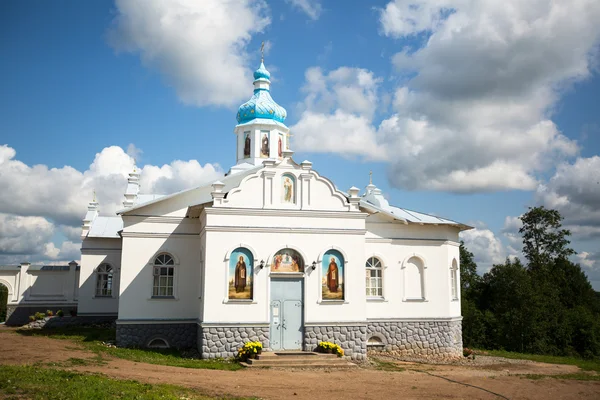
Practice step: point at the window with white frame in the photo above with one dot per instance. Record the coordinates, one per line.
(374, 282)
(164, 273)
(104, 280)
(454, 280)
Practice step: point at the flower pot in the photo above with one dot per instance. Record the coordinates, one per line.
(252, 355)
(329, 351)
(258, 351)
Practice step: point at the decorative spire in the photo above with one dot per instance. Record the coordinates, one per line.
(370, 177)
(262, 52)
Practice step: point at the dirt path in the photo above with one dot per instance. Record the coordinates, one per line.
(417, 382)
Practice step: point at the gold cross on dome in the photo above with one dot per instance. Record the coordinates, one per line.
(262, 52)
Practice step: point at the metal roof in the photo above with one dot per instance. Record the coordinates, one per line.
(106, 227)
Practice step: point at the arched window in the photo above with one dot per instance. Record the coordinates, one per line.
(454, 280)
(374, 281)
(158, 343)
(414, 279)
(164, 272)
(104, 280)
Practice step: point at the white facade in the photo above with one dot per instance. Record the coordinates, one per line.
(264, 205)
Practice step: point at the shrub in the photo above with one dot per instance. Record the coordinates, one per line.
(49, 313)
(39, 315)
(328, 347)
(60, 313)
(32, 318)
(250, 349)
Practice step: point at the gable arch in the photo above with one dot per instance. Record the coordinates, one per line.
(334, 191)
(269, 259)
(8, 286)
(381, 257)
(414, 255)
(243, 245)
(342, 252)
(164, 251)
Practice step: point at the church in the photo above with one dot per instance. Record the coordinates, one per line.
(273, 252)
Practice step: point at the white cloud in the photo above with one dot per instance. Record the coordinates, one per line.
(487, 249)
(337, 113)
(574, 191)
(473, 110)
(22, 235)
(199, 46)
(312, 8)
(37, 201)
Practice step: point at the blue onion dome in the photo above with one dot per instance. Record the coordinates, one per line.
(261, 104)
(262, 72)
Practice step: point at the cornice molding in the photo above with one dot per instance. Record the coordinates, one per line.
(438, 242)
(159, 235)
(286, 213)
(278, 229)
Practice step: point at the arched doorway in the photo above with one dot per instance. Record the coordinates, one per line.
(3, 302)
(287, 300)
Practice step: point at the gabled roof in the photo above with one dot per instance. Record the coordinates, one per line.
(202, 193)
(106, 227)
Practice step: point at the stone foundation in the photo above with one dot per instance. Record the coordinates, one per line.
(351, 338)
(177, 335)
(224, 341)
(440, 338)
(18, 314)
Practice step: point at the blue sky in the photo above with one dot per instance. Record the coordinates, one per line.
(436, 113)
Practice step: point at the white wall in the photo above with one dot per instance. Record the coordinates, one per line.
(96, 251)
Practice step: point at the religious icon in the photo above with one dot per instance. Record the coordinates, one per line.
(288, 189)
(280, 146)
(333, 276)
(246, 144)
(240, 274)
(287, 260)
(264, 148)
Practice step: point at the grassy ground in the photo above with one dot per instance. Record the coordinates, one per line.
(94, 338)
(586, 365)
(17, 382)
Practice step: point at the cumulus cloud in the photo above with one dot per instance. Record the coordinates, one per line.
(574, 191)
(193, 43)
(473, 108)
(312, 8)
(38, 201)
(487, 249)
(337, 113)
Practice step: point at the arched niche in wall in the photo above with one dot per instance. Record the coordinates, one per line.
(333, 277)
(241, 274)
(414, 278)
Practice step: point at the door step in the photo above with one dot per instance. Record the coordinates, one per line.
(298, 359)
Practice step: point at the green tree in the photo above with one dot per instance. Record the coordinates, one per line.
(543, 239)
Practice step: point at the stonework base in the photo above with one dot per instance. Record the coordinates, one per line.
(352, 339)
(419, 338)
(18, 314)
(224, 342)
(177, 335)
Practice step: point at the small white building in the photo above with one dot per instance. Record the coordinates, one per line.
(272, 252)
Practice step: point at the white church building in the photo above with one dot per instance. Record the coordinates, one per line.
(272, 252)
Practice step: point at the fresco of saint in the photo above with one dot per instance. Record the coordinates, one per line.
(288, 190)
(287, 260)
(280, 146)
(247, 145)
(240, 275)
(264, 147)
(333, 276)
